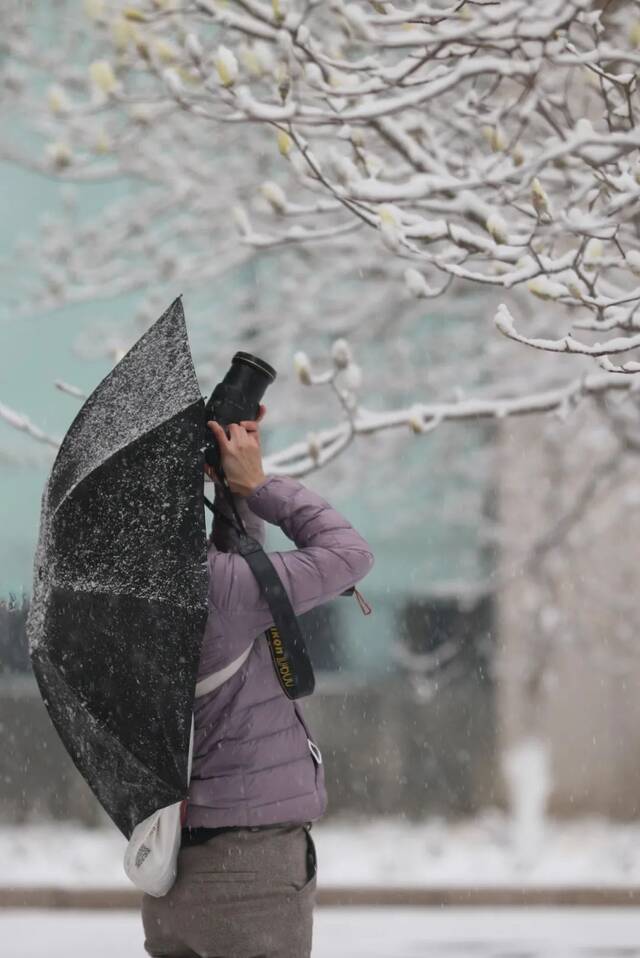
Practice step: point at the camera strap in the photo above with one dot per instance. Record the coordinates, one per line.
(286, 642)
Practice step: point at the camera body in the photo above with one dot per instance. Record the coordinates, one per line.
(236, 397)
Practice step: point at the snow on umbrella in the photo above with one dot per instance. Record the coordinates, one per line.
(120, 579)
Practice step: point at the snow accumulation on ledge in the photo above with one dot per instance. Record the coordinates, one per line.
(479, 852)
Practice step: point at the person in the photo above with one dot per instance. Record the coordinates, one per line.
(247, 864)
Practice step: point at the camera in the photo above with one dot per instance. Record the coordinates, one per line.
(235, 398)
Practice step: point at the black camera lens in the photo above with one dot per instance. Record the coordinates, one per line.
(238, 395)
(243, 387)
(258, 364)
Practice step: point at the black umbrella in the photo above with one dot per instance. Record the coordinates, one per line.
(120, 579)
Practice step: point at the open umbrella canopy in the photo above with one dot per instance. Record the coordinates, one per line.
(120, 577)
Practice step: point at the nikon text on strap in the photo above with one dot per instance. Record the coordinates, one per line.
(286, 642)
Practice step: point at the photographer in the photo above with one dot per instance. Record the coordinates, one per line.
(247, 866)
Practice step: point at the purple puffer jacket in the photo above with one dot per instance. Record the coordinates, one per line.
(253, 759)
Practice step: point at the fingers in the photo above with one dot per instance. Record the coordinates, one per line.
(219, 433)
(251, 425)
(237, 431)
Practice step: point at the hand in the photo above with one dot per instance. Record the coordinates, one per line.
(241, 454)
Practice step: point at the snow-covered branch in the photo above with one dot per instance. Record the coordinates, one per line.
(354, 159)
(344, 379)
(22, 423)
(569, 344)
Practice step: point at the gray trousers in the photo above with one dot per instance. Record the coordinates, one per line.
(242, 894)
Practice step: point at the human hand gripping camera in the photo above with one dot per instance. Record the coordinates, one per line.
(241, 454)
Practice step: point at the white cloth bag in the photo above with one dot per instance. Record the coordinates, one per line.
(151, 857)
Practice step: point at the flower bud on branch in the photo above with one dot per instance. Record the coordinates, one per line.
(302, 367)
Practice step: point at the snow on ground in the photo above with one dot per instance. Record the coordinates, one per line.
(358, 933)
(388, 852)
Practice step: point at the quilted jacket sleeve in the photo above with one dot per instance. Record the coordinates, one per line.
(330, 556)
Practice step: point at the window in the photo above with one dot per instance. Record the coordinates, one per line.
(447, 628)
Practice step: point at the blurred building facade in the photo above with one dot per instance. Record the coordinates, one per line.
(417, 702)
(409, 684)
